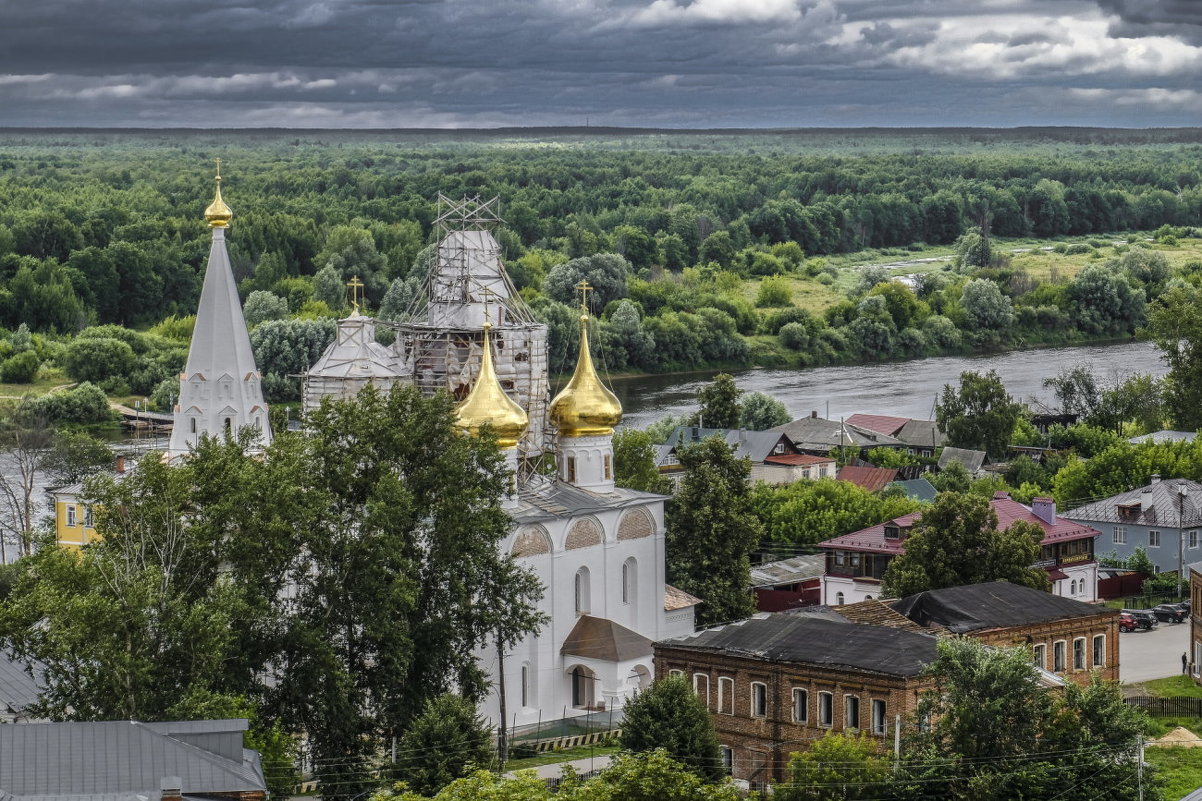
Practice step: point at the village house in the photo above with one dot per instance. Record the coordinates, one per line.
(972, 461)
(126, 759)
(773, 456)
(856, 562)
(1067, 637)
(788, 583)
(19, 680)
(873, 479)
(1195, 621)
(74, 521)
(775, 683)
(920, 437)
(820, 437)
(1162, 517)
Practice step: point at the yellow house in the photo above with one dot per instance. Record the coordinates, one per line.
(72, 520)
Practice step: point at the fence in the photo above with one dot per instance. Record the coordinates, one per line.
(1177, 706)
(1149, 601)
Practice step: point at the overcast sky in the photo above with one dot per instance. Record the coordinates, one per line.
(678, 63)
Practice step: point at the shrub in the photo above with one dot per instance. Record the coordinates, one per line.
(89, 359)
(20, 369)
(794, 336)
(85, 403)
(774, 291)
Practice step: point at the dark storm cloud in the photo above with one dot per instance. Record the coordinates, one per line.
(627, 62)
(1137, 18)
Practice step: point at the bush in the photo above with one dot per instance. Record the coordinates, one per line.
(1077, 248)
(794, 336)
(774, 291)
(20, 369)
(85, 403)
(262, 306)
(88, 359)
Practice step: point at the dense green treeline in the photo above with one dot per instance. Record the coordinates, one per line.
(713, 237)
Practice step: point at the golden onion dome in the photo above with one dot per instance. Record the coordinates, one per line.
(487, 404)
(585, 407)
(218, 215)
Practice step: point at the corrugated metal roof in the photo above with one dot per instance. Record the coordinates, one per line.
(788, 571)
(870, 478)
(880, 423)
(18, 685)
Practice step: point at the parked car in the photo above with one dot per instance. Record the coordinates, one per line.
(1140, 619)
(1126, 622)
(1170, 613)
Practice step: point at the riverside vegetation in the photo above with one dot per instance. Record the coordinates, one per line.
(706, 249)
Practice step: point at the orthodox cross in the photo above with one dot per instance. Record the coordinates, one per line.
(488, 295)
(585, 287)
(355, 284)
(218, 170)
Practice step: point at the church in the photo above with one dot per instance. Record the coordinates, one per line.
(597, 549)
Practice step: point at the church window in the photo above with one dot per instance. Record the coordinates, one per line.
(582, 591)
(229, 426)
(609, 467)
(571, 470)
(525, 685)
(192, 422)
(629, 579)
(839, 599)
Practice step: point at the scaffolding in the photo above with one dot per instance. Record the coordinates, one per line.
(440, 337)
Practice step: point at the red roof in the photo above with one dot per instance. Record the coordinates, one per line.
(880, 423)
(797, 458)
(1008, 511)
(870, 478)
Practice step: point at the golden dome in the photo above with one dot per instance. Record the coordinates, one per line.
(585, 407)
(488, 404)
(218, 215)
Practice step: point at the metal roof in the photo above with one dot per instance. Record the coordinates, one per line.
(995, 605)
(788, 571)
(1156, 504)
(972, 460)
(550, 499)
(96, 761)
(18, 685)
(816, 433)
(754, 445)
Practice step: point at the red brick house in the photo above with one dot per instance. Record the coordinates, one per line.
(856, 562)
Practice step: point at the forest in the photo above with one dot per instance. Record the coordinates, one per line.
(708, 248)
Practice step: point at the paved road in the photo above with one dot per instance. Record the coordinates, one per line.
(1155, 654)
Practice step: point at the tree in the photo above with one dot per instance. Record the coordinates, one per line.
(98, 359)
(711, 531)
(956, 542)
(671, 716)
(634, 462)
(25, 436)
(953, 478)
(985, 305)
(443, 743)
(973, 249)
(760, 412)
(979, 415)
(21, 368)
(349, 251)
(285, 348)
(328, 287)
(652, 776)
(606, 272)
(1103, 302)
(774, 291)
(1176, 327)
(807, 512)
(262, 305)
(1076, 390)
(75, 455)
(838, 767)
(719, 403)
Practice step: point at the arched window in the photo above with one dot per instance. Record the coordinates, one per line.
(582, 592)
(1072, 587)
(582, 687)
(192, 421)
(229, 426)
(867, 597)
(525, 685)
(838, 599)
(629, 580)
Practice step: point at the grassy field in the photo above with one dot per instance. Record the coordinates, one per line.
(1179, 686)
(1180, 768)
(566, 755)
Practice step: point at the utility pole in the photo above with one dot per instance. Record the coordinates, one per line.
(1139, 766)
(1182, 491)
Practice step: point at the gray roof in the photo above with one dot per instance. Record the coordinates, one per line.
(754, 445)
(96, 761)
(814, 640)
(354, 353)
(922, 434)
(1165, 436)
(918, 489)
(972, 460)
(819, 434)
(544, 498)
(1156, 504)
(994, 605)
(19, 683)
(788, 571)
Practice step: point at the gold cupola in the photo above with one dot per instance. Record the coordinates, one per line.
(585, 407)
(218, 215)
(487, 404)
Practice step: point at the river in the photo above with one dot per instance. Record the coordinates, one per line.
(903, 389)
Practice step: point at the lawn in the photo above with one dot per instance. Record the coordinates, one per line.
(1180, 768)
(1179, 686)
(566, 755)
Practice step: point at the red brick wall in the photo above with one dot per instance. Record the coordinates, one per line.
(1105, 623)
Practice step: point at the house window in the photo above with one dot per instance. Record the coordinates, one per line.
(1072, 587)
(728, 759)
(1193, 539)
(838, 599)
(1099, 650)
(675, 674)
(1058, 656)
(609, 467)
(826, 709)
(1079, 653)
(851, 712)
(879, 717)
(71, 519)
(780, 448)
(1120, 535)
(726, 695)
(701, 686)
(759, 699)
(801, 705)
(87, 517)
(629, 572)
(582, 591)
(1153, 539)
(1039, 655)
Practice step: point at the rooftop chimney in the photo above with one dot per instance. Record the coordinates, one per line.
(1156, 478)
(814, 414)
(1044, 509)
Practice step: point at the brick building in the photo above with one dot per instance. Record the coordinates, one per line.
(776, 683)
(1195, 620)
(1067, 637)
